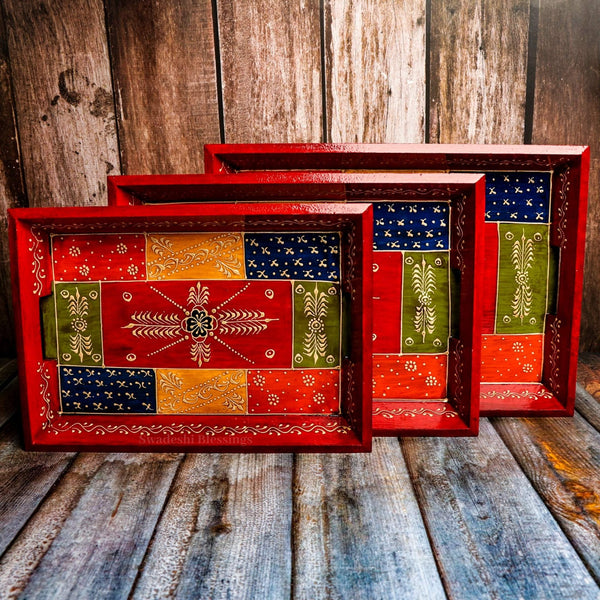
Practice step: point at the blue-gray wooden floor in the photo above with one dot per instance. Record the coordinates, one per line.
(514, 513)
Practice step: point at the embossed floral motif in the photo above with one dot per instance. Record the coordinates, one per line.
(319, 398)
(273, 399)
(410, 365)
(430, 381)
(199, 323)
(517, 347)
(308, 379)
(259, 381)
(121, 248)
(74, 251)
(132, 269)
(84, 270)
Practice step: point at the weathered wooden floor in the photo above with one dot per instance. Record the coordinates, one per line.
(514, 513)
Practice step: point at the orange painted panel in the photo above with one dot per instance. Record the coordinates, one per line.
(512, 358)
(411, 376)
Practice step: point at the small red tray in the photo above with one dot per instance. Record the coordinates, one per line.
(426, 350)
(528, 369)
(163, 329)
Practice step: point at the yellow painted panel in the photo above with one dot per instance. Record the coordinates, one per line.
(200, 391)
(195, 256)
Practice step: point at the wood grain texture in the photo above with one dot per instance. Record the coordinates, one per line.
(588, 373)
(9, 399)
(12, 192)
(102, 542)
(478, 71)
(375, 71)
(358, 532)
(163, 58)
(25, 478)
(225, 532)
(64, 99)
(491, 534)
(560, 458)
(566, 110)
(271, 70)
(588, 406)
(28, 549)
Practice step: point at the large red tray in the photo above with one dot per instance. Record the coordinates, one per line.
(565, 168)
(433, 391)
(148, 328)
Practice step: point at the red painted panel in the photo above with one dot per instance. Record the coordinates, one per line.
(413, 376)
(297, 391)
(99, 257)
(490, 277)
(146, 322)
(512, 358)
(387, 305)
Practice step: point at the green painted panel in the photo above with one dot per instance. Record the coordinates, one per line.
(522, 278)
(425, 302)
(78, 323)
(48, 326)
(316, 324)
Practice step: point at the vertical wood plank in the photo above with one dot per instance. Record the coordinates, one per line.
(271, 70)
(567, 111)
(34, 540)
(358, 532)
(25, 478)
(12, 192)
(163, 57)
(478, 71)
(64, 100)
(492, 535)
(225, 532)
(559, 456)
(375, 70)
(103, 540)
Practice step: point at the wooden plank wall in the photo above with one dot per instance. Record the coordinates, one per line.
(92, 87)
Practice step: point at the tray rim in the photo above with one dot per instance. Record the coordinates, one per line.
(220, 158)
(257, 435)
(417, 417)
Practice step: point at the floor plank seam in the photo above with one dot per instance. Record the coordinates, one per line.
(547, 506)
(48, 493)
(425, 523)
(148, 549)
(293, 555)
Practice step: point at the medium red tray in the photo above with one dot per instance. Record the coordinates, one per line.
(535, 375)
(420, 387)
(157, 329)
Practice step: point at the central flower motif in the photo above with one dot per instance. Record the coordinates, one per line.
(199, 323)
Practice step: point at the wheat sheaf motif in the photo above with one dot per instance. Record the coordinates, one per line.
(78, 311)
(424, 285)
(316, 307)
(522, 257)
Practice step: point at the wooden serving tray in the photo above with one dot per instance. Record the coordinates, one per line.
(536, 203)
(426, 329)
(208, 327)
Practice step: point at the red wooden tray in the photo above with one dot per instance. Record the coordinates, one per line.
(426, 378)
(527, 368)
(160, 329)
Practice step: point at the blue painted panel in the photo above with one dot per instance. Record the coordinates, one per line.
(106, 390)
(518, 197)
(292, 256)
(411, 226)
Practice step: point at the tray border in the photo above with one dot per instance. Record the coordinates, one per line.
(570, 190)
(44, 428)
(413, 417)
